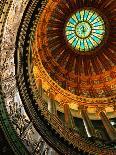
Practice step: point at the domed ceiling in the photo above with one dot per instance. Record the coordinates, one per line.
(57, 56)
(76, 47)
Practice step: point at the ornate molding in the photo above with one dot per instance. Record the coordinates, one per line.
(14, 120)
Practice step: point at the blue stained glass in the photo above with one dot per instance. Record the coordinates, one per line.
(72, 21)
(69, 28)
(78, 44)
(86, 14)
(82, 15)
(82, 45)
(89, 43)
(72, 40)
(78, 16)
(70, 36)
(75, 43)
(85, 30)
(95, 38)
(75, 18)
(97, 24)
(85, 44)
(99, 31)
(75, 37)
(92, 18)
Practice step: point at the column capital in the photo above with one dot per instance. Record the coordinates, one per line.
(65, 104)
(100, 109)
(82, 107)
(51, 95)
(40, 81)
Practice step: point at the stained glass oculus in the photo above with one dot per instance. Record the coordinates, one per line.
(85, 30)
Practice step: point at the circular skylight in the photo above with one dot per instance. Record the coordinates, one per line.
(85, 30)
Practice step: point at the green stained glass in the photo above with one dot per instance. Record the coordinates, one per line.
(85, 30)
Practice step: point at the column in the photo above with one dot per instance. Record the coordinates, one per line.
(87, 122)
(68, 117)
(114, 107)
(106, 122)
(52, 104)
(40, 87)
